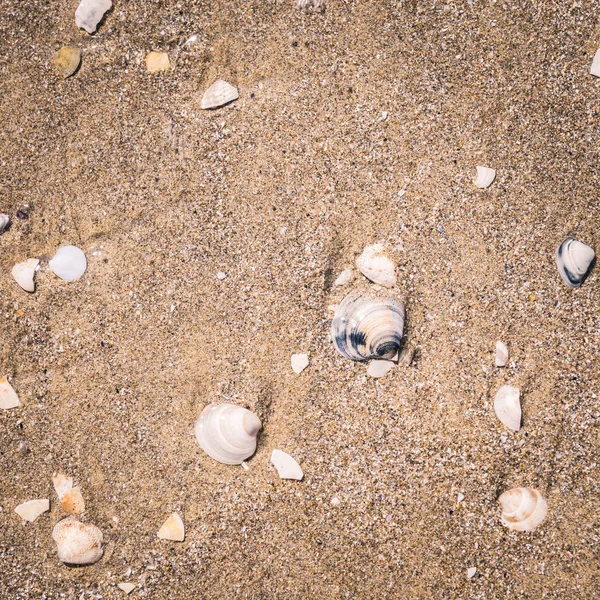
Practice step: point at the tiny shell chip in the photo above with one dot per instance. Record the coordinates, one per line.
(471, 572)
(24, 273)
(376, 267)
(501, 354)
(485, 177)
(379, 368)
(4, 221)
(66, 61)
(595, 70)
(32, 509)
(126, 587)
(343, 278)
(508, 407)
(72, 502)
(62, 484)
(90, 12)
(406, 356)
(172, 529)
(8, 396)
(286, 466)
(299, 362)
(69, 263)
(523, 509)
(219, 94)
(157, 61)
(78, 543)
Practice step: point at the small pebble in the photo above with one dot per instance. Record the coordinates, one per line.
(22, 215)
(157, 61)
(461, 497)
(221, 275)
(335, 501)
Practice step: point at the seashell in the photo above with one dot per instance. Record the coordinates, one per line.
(126, 587)
(66, 61)
(286, 466)
(299, 362)
(62, 484)
(344, 277)
(501, 354)
(376, 267)
(595, 70)
(8, 396)
(471, 572)
(406, 356)
(573, 259)
(72, 502)
(24, 272)
(523, 509)
(69, 263)
(508, 407)
(365, 327)
(4, 221)
(379, 368)
(227, 432)
(219, 94)
(78, 543)
(90, 12)
(32, 509)
(172, 529)
(485, 177)
(157, 61)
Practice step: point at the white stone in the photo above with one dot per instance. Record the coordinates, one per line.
(221, 275)
(286, 466)
(378, 368)
(299, 362)
(344, 277)
(90, 12)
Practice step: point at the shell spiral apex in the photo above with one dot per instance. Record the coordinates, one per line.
(78, 543)
(573, 259)
(523, 509)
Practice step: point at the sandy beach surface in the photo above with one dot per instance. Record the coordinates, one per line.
(359, 124)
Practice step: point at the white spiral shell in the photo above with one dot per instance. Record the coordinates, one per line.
(523, 509)
(573, 259)
(227, 432)
(78, 543)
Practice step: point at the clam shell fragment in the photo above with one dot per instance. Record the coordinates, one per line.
(32, 509)
(379, 368)
(126, 587)
(219, 94)
(90, 12)
(299, 363)
(523, 509)
(573, 259)
(78, 543)
(62, 484)
(485, 177)
(172, 529)
(69, 263)
(508, 407)
(72, 502)
(501, 359)
(8, 396)
(227, 432)
(286, 466)
(376, 267)
(365, 327)
(66, 61)
(24, 273)
(157, 61)
(595, 69)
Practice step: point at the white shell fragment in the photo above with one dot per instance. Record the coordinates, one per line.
(508, 407)
(157, 61)
(501, 354)
(126, 587)
(219, 94)
(69, 263)
(406, 356)
(471, 572)
(376, 267)
(573, 259)
(8, 396)
(344, 277)
(4, 221)
(595, 70)
(286, 466)
(32, 509)
(62, 484)
(379, 368)
(227, 432)
(299, 362)
(172, 529)
(24, 272)
(90, 12)
(78, 543)
(485, 177)
(523, 509)
(72, 502)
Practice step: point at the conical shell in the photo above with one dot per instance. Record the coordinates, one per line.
(485, 177)
(172, 529)
(78, 543)
(365, 327)
(219, 94)
(523, 509)
(573, 259)
(69, 263)
(66, 61)
(90, 12)
(8, 396)
(24, 273)
(227, 433)
(286, 466)
(508, 407)
(32, 509)
(376, 267)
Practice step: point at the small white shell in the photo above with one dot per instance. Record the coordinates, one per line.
(523, 509)
(4, 221)
(379, 368)
(501, 354)
(344, 277)
(62, 484)
(508, 407)
(24, 272)
(227, 432)
(595, 70)
(286, 466)
(485, 177)
(8, 396)
(299, 362)
(90, 12)
(69, 263)
(172, 529)
(573, 259)
(376, 267)
(78, 543)
(406, 356)
(471, 572)
(126, 587)
(219, 94)
(32, 509)
(72, 502)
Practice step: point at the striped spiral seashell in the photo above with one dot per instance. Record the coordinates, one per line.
(523, 509)
(78, 543)
(365, 327)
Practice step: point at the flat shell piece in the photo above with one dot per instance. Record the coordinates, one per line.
(379, 368)
(219, 94)
(72, 502)
(157, 61)
(126, 587)
(32, 509)
(66, 61)
(286, 466)
(8, 396)
(485, 177)
(501, 354)
(62, 484)
(507, 405)
(471, 572)
(376, 266)
(24, 273)
(595, 70)
(299, 362)
(90, 12)
(172, 529)
(406, 356)
(69, 263)
(344, 277)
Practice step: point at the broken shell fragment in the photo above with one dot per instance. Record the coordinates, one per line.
(299, 362)
(66, 61)
(508, 407)
(595, 70)
(365, 327)
(4, 221)
(286, 466)
(501, 354)
(573, 259)
(62, 484)
(227, 432)
(126, 587)
(523, 509)
(376, 267)
(32, 509)
(379, 368)
(172, 529)
(69, 263)
(344, 277)
(72, 502)
(78, 543)
(8, 396)
(219, 94)
(485, 177)
(90, 12)
(24, 273)
(406, 356)
(157, 61)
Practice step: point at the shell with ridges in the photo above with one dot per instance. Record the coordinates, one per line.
(523, 509)
(573, 259)
(365, 327)
(227, 432)
(66, 61)
(485, 177)
(78, 543)
(376, 267)
(219, 94)
(508, 407)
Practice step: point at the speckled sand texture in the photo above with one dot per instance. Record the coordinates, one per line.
(281, 190)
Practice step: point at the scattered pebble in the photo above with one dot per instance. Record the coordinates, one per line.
(219, 94)
(344, 277)
(335, 501)
(8, 396)
(126, 587)
(157, 61)
(172, 529)
(32, 509)
(21, 214)
(379, 368)
(90, 12)
(66, 61)
(471, 572)
(286, 466)
(24, 273)
(501, 354)
(299, 362)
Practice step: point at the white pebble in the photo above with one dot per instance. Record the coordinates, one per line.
(221, 275)
(461, 496)
(344, 277)
(335, 501)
